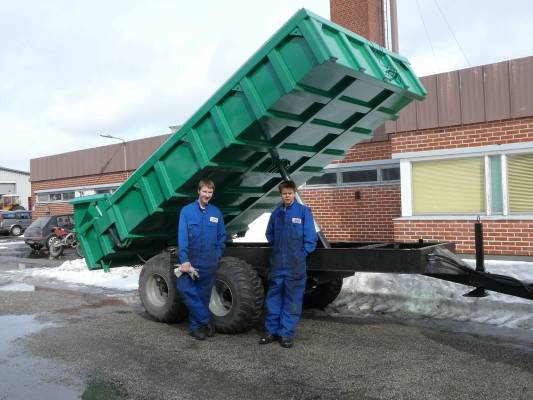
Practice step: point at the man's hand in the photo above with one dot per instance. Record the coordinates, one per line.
(186, 267)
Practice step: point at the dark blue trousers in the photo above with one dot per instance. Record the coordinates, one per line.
(284, 304)
(196, 295)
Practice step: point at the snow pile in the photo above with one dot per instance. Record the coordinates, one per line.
(419, 296)
(76, 271)
(401, 296)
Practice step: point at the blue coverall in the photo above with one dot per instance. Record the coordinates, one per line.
(201, 241)
(291, 231)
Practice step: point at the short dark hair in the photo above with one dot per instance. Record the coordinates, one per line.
(287, 185)
(207, 183)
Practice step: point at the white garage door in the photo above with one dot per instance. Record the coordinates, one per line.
(6, 188)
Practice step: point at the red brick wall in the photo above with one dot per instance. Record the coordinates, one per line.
(344, 219)
(500, 237)
(364, 17)
(60, 208)
(473, 135)
(368, 151)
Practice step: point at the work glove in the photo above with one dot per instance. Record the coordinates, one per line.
(193, 272)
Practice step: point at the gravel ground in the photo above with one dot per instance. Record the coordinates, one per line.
(106, 347)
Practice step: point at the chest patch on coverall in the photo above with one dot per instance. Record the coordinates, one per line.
(213, 219)
(296, 221)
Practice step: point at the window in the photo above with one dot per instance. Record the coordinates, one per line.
(55, 196)
(496, 184)
(390, 174)
(64, 221)
(370, 175)
(326, 179)
(67, 195)
(520, 178)
(449, 186)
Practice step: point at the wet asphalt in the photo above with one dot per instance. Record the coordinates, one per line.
(68, 344)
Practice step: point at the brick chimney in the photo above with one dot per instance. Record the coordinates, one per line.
(364, 17)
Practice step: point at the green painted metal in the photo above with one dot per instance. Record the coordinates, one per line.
(311, 92)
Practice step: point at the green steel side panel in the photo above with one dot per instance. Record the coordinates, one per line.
(311, 92)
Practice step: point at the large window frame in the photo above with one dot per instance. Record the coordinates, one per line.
(342, 170)
(64, 195)
(502, 152)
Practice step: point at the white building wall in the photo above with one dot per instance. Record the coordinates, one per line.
(22, 183)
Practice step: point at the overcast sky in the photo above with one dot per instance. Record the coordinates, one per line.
(71, 69)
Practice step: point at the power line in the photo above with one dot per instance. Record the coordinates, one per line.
(427, 35)
(453, 34)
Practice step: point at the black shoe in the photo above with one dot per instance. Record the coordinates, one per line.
(285, 342)
(268, 338)
(198, 334)
(210, 328)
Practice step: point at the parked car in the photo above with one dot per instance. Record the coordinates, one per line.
(14, 222)
(41, 232)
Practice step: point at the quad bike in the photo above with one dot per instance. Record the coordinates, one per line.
(64, 239)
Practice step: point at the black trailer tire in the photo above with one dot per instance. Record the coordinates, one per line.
(157, 290)
(322, 295)
(237, 297)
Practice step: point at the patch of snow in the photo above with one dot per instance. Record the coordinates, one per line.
(76, 271)
(424, 297)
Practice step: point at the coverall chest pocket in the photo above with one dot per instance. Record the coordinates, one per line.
(296, 230)
(211, 231)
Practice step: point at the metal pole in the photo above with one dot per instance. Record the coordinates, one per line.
(394, 25)
(480, 258)
(125, 161)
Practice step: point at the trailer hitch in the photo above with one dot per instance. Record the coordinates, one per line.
(445, 265)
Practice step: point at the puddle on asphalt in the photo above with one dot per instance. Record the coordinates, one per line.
(17, 287)
(24, 376)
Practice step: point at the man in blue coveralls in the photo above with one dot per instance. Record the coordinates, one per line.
(291, 232)
(201, 242)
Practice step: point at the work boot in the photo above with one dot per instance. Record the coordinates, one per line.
(268, 338)
(286, 342)
(198, 334)
(210, 328)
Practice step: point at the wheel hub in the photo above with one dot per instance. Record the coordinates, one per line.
(221, 299)
(157, 290)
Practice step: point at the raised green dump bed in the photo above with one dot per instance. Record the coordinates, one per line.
(311, 92)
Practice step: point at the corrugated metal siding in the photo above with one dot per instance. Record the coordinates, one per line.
(521, 87)
(21, 181)
(486, 93)
(496, 85)
(472, 95)
(449, 99)
(427, 110)
(93, 161)
(407, 120)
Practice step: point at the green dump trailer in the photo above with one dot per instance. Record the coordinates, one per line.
(310, 93)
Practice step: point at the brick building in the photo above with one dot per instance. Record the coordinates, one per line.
(59, 178)
(463, 153)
